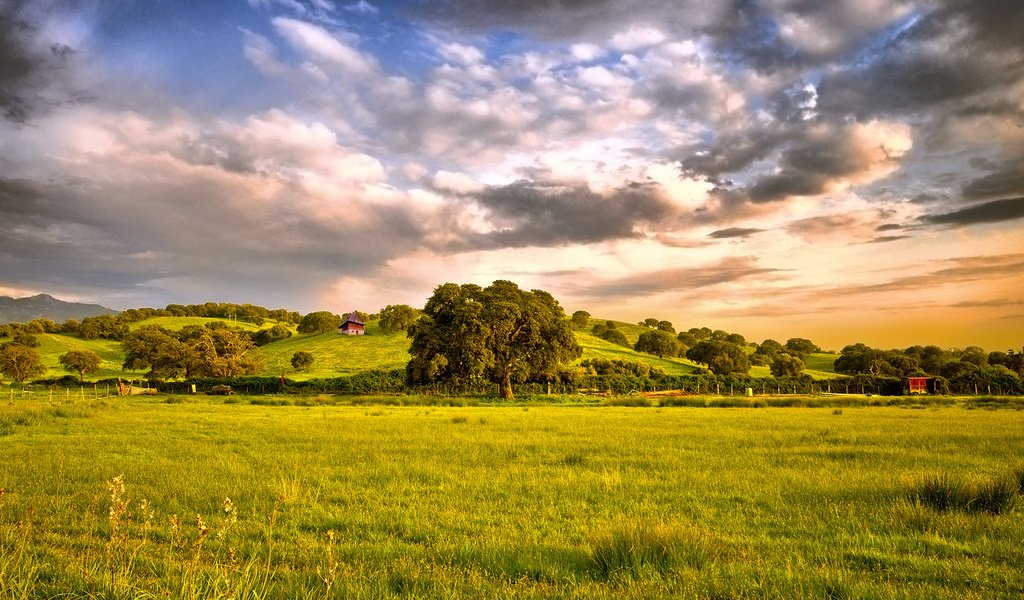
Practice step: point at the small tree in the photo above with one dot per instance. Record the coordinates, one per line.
(580, 319)
(20, 362)
(319, 322)
(720, 356)
(81, 362)
(397, 317)
(786, 365)
(658, 342)
(302, 360)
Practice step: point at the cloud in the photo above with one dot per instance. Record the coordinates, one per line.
(1004, 180)
(829, 159)
(734, 232)
(232, 207)
(528, 213)
(324, 47)
(32, 68)
(996, 211)
(661, 281)
(940, 275)
(570, 21)
(956, 55)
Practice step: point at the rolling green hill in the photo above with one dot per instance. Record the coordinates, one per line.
(338, 355)
(52, 345)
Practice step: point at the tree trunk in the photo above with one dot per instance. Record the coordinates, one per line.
(505, 389)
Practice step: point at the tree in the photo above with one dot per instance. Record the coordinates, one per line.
(649, 322)
(786, 365)
(448, 341)
(214, 350)
(500, 333)
(720, 356)
(397, 317)
(20, 362)
(319, 322)
(580, 318)
(614, 336)
(302, 360)
(26, 339)
(81, 362)
(974, 355)
(801, 346)
(271, 334)
(658, 342)
(666, 326)
(154, 348)
(106, 327)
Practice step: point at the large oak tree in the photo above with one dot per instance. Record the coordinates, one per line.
(500, 333)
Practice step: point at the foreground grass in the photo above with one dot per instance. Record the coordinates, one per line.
(193, 498)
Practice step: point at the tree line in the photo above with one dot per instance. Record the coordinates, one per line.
(720, 352)
(468, 336)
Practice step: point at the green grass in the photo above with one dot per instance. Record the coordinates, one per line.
(339, 355)
(821, 365)
(498, 501)
(595, 347)
(176, 323)
(52, 346)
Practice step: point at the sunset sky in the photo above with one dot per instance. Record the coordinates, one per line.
(846, 171)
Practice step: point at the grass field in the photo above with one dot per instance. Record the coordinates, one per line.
(498, 501)
(339, 355)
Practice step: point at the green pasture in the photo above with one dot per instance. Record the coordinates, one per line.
(176, 323)
(595, 347)
(201, 497)
(339, 355)
(53, 345)
(821, 365)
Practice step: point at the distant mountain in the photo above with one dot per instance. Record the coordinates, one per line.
(44, 306)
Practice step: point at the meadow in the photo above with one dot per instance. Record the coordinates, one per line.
(207, 497)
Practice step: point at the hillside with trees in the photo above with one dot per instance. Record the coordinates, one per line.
(502, 337)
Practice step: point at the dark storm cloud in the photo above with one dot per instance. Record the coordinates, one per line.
(28, 66)
(734, 232)
(1004, 180)
(947, 56)
(995, 211)
(539, 214)
(730, 152)
(750, 35)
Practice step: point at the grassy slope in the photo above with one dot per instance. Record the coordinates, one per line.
(502, 502)
(51, 346)
(337, 355)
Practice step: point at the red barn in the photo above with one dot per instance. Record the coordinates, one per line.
(352, 325)
(919, 385)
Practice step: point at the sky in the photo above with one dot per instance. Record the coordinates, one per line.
(845, 171)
